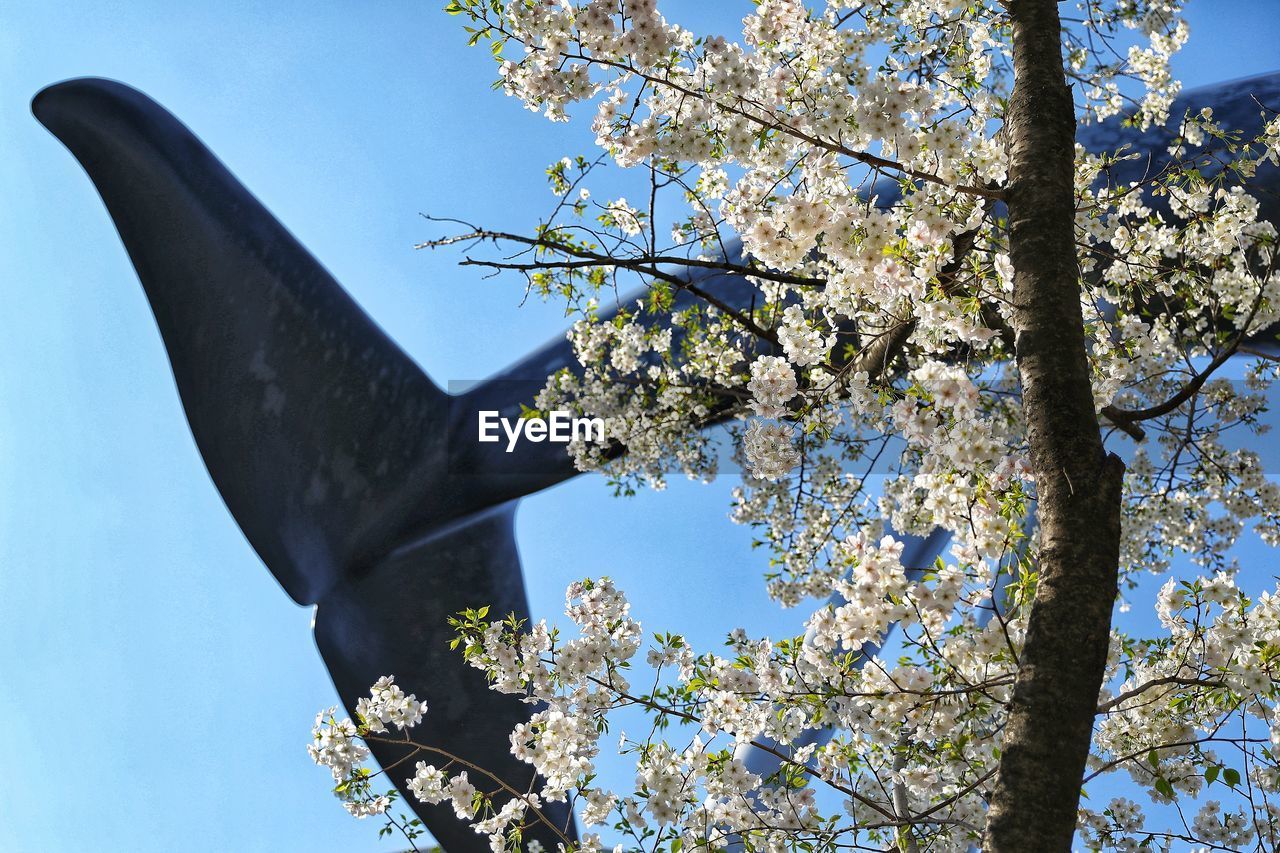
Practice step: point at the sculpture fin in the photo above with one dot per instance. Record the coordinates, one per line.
(392, 621)
(319, 432)
(328, 444)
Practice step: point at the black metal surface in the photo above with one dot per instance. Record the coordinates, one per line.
(328, 444)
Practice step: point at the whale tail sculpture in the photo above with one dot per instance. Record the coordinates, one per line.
(328, 444)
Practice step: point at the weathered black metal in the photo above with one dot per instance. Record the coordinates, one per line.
(328, 444)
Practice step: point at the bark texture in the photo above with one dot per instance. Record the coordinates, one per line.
(1037, 789)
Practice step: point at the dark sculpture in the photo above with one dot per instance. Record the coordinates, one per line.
(333, 450)
(327, 443)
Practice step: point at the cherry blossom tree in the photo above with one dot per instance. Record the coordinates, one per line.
(945, 286)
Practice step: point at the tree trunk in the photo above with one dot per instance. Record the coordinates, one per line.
(1046, 742)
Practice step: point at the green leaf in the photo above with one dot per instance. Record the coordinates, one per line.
(1211, 775)
(1163, 786)
(1231, 777)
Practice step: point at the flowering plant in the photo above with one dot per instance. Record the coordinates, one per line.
(946, 289)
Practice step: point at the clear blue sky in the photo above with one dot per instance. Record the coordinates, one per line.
(156, 685)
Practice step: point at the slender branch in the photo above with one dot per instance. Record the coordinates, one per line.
(1156, 682)
(643, 264)
(901, 800)
(1121, 417)
(596, 259)
(477, 768)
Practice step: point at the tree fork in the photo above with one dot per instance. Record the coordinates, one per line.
(1036, 793)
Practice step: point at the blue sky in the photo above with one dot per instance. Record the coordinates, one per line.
(156, 685)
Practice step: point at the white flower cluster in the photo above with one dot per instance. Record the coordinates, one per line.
(387, 703)
(918, 727)
(339, 744)
(700, 793)
(1166, 737)
(773, 383)
(335, 745)
(431, 785)
(804, 344)
(770, 450)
